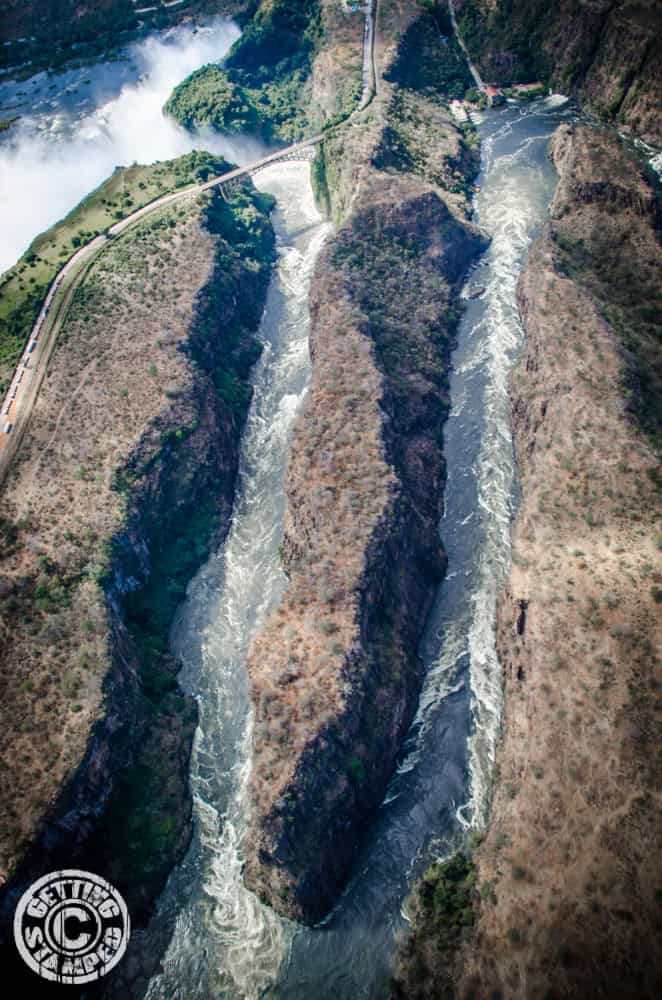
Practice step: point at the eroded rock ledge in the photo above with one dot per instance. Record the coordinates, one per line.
(334, 671)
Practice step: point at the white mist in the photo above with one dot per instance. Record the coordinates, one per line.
(46, 169)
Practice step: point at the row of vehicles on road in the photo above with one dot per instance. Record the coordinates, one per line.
(23, 367)
(24, 364)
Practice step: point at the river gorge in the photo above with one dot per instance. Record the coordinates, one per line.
(76, 127)
(225, 943)
(209, 937)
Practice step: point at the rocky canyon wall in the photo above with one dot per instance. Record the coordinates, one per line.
(564, 893)
(607, 53)
(124, 479)
(335, 672)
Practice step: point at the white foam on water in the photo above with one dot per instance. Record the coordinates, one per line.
(509, 207)
(656, 164)
(47, 167)
(555, 101)
(226, 942)
(227, 945)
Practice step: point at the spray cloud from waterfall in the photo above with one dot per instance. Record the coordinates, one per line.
(52, 159)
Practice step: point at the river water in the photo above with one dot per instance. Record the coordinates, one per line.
(226, 944)
(76, 127)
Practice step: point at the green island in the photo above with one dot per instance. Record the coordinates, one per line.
(444, 912)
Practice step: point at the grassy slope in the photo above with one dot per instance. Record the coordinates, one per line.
(427, 75)
(119, 403)
(24, 286)
(383, 320)
(418, 136)
(628, 292)
(429, 65)
(570, 866)
(515, 30)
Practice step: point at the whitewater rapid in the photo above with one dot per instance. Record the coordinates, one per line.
(226, 945)
(242, 943)
(510, 205)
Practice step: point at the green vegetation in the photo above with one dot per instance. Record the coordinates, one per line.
(6, 123)
(429, 63)
(280, 39)
(144, 824)
(430, 70)
(526, 94)
(398, 285)
(415, 128)
(223, 345)
(444, 915)
(52, 34)
(260, 87)
(24, 286)
(207, 97)
(243, 272)
(47, 40)
(506, 39)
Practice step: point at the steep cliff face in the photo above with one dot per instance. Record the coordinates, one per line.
(296, 66)
(334, 672)
(109, 510)
(607, 53)
(570, 872)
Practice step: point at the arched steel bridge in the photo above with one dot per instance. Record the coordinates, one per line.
(23, 390)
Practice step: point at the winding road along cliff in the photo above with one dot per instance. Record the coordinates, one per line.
(125, 478)
(30, 371)
(24, 388)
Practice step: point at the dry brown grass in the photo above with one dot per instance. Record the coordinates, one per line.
(337, 71)
(110, 376)
(339, 487)
(333, 675)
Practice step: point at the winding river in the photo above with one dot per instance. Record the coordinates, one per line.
(224, 945)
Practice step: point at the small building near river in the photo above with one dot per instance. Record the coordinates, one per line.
(494, 96)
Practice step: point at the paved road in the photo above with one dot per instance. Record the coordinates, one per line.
(369, 78)
(24, 388)
(22, 393)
